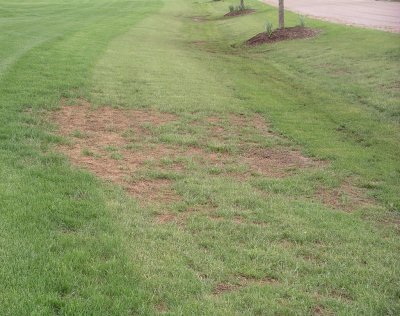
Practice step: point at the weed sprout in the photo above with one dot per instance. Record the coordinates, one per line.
(302, 20)
(268, 28)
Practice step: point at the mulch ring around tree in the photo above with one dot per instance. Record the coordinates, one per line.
(240, 12)
(289, 33)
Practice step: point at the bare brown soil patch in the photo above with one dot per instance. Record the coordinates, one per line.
(272, 162)
(154, 189)
(166, 218)
(278, 163)
(261, 125)
(161, 308)
(225, 287)
(213, 119)
(321, 310)
(346, 197)
(238, 120)
(285, 34)
(241, 282)
(239, 125)
(240, 12)
(98, 144)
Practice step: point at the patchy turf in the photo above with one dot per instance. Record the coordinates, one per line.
(129, 148)
(183, 172)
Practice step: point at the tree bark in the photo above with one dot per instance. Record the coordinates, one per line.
(281, 15)
(242, 4)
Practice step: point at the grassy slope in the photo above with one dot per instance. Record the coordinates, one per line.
(44, 268)
(70, 243)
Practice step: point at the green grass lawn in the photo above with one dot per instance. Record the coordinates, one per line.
(233, 235)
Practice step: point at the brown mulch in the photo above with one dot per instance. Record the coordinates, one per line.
(240, 12)
(288, 33)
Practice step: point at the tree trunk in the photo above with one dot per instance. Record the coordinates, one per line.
(242, 4)
(281, 15)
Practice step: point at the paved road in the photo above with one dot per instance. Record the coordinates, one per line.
(367, 13)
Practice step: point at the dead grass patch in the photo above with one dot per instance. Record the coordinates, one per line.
(278, 162)
(165, 218)
(161, 308)
(256, 122)
(104, 149)
(236, 125)
(346, 197)
(213, 119)
(222, 288)
(321, 310)
(154, 190)
(243, 281)
(273, 162)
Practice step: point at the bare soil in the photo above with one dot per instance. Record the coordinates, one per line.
(278, 35)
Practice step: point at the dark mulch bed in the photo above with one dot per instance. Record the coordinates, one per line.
(240, 12)
(285, 34)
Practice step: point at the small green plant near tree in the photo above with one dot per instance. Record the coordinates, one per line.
(269, 28)
(231, 8)
(302, 20)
